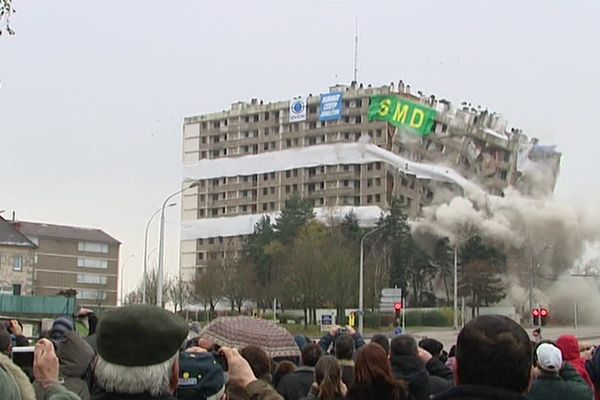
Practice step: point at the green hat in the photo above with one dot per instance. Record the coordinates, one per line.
(140, 335)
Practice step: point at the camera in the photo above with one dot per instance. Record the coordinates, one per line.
(343, 330)
(220, 359)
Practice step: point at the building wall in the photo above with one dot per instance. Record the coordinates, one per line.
(473, 142)
(62, 265)
(16, 270)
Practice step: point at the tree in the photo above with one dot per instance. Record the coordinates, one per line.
(208, 285)
(419, 272)
(482, 266)
(293, 217)
(6, 11)
(238, 283)
(341, 267)
(304, 272)
(178, 292)
(256, 256)
(136, 296)
(444, 262)
(396, 233)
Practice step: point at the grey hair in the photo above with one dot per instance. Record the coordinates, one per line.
(155, 379)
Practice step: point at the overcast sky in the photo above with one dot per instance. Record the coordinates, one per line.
(93, 94)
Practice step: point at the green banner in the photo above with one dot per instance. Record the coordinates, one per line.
(402, 112)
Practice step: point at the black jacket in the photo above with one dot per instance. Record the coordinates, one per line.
(412, 370)
(377, 391)
(437, 368)
(474, 392)
(123, 396)
(296, 385)
(347, 372)
(441, 377)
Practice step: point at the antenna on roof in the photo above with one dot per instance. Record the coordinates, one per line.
(355, 49)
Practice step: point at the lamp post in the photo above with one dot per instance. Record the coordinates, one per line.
(161, 243)
(123, 275)
(146, 252)
(455, 300)
(361, 296)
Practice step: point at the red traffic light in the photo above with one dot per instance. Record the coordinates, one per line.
(397, 306)
(535, 312)
(543, 313)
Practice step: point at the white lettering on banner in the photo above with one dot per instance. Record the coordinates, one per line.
(331, 98)
(329, 113)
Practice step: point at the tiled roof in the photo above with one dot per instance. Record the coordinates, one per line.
(9, 236)
(64, 232)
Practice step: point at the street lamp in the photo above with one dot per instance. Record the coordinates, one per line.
(456, 246)
(361, 296)
(161, 243)
(146, 252)
(123, 274)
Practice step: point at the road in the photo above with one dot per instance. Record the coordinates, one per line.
(448, 337)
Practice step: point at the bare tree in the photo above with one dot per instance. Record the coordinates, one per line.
(208, 285)
(135, 296)
(178, 292)
(239, 283)
(6, 11)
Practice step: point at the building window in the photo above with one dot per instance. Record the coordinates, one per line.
(16, 289)
(93, 247)
(91, 279)
(6, 289)
(92, 263)
(91, 294)
(369, 199)
(377, 198)
(211, 240)
(18, 265)
(265, 191)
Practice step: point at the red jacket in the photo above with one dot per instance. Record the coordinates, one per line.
(569, 347)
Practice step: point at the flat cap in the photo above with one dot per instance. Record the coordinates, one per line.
(140, 335)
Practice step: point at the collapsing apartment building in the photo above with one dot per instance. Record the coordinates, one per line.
(351, 149)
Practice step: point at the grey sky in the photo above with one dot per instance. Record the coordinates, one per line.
(94, 93)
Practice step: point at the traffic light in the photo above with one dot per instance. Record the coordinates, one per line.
(397, 308)
(543, 316)
(536, 316)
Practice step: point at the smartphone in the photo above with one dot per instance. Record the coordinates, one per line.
(23, 357)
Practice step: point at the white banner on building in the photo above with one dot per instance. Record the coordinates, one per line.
(297, 110)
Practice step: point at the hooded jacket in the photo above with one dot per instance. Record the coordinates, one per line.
(569, 347)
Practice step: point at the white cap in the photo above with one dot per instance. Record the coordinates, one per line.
(549, 357)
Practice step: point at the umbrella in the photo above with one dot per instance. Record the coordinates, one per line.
(240, 332)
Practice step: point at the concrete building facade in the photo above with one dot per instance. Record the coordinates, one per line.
(17, 254)
(67, 257)
(250, 159)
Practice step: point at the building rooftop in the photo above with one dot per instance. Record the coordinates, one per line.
(64, 232)
(9, 236)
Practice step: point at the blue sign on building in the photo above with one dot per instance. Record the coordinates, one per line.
(331, 107)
